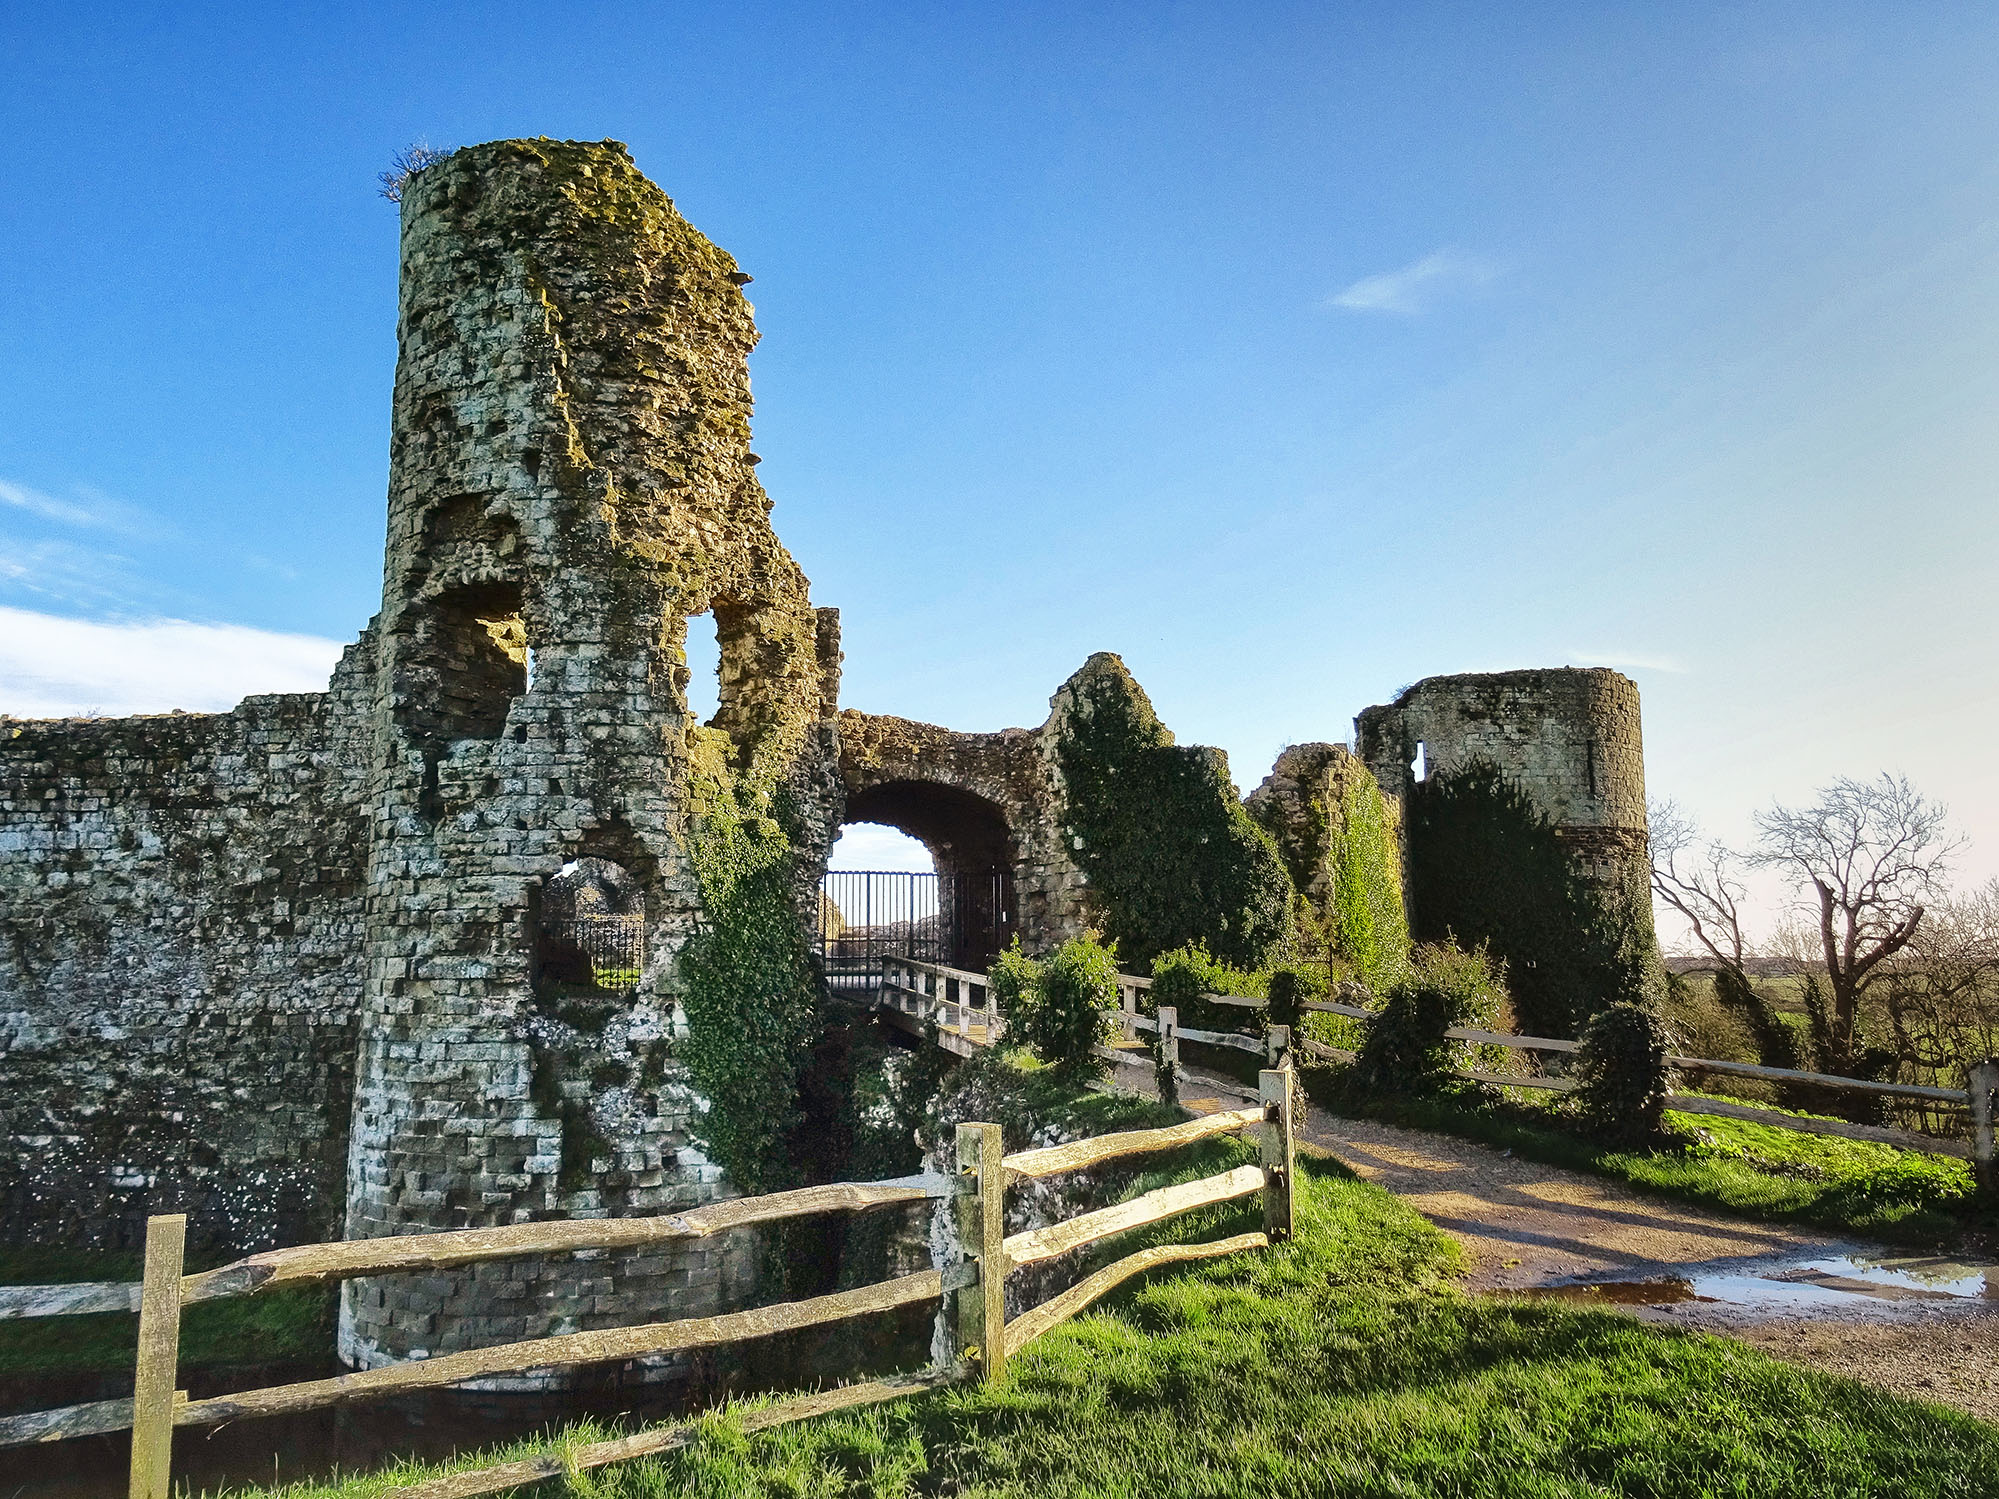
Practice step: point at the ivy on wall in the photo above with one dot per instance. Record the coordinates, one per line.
(746, 976)
(1368, 928)
(1486, 867)
(1170, 854)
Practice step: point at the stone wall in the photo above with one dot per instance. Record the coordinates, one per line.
(180, 975)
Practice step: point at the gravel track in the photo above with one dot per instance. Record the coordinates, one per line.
(1533, 1229)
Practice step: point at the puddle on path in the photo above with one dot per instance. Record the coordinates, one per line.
(1821, 1284)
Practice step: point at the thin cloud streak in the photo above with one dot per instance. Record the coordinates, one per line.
(51, 667)
(99, 512)
(1416, 286)
(1633, 661)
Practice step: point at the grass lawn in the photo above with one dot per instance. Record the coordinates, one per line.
(1344, 1363)
(277, 1327)
(1857, 1186)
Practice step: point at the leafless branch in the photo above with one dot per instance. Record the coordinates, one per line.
(1696, 878)
(405, 164)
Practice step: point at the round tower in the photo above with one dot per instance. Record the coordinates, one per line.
(1568, 737)
(570, 480)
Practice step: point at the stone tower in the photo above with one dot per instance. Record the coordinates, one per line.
(570, 481)
(1568, 737)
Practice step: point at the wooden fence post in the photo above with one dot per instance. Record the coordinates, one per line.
(1167, 1069)
(982, 1227)
(158, 1366)
(1276, 1152)
(1276, 1044)
(1983, 1079)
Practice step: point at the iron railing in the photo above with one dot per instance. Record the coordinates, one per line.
(867, 915)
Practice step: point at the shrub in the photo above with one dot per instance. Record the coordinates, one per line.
(1013, 984)
(404, 165)
(1620, 1076)
(1180, 978)
(1405, 1050)
(1289, 986)
(1059, 1008)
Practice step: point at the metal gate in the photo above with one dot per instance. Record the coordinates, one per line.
(865, 915)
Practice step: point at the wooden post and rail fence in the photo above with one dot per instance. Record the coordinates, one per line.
(961, 1006)
(971, 1291)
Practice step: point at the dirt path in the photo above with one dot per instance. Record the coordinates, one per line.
(1808, 1297)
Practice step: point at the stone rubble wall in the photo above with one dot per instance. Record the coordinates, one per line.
(180, 976)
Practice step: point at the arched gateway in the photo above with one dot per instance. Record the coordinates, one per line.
(982, 805)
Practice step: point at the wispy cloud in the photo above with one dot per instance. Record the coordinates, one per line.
(91, 511)
(1632, 661)
(83, 576)
(1416, 286)
(52, 667)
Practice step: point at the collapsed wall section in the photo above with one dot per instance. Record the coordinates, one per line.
(180, 916)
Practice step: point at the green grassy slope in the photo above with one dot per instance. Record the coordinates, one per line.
(1341, 1364)
(1852, 1186)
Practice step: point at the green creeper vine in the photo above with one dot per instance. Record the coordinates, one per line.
(746, 978)
(1170, 854)
(1487, 868)
(1368, 927)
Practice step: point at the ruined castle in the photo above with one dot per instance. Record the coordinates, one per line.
(308, 968)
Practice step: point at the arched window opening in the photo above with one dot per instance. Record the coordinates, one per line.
(593, 935)
(1419, 768)
(704, 668)
(467, 663)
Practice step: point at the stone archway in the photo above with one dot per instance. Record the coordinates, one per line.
(986, 795)
(973, 851)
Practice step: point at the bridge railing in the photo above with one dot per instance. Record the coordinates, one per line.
(962, 1005)
(971, 1286)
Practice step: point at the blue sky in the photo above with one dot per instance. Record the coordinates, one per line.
(1295, 353)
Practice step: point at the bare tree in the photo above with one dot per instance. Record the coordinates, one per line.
(1869, 854)
(405, 164)
(1696, 878)
(1700, 880)
(1941, 994)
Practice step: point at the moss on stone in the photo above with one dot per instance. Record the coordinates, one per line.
(1171, 856)
(1487, 868)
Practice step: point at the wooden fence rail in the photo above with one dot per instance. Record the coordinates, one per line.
(975, 1283)
(1977, 1097)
